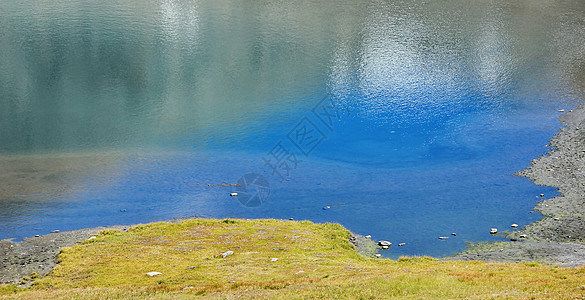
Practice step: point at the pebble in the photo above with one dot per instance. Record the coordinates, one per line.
(227, 253)
(556, 219)
(541, 195)
(300, 272)
(493, 230)
(291, 219)
(233, 194)
(514, 225)
(191, 267)
(378, 255)
(153, 273)
(273, 259)
(92, 237)
(368, 236)
(37, 235)
(454, 234)
(55, 231)
(385, 247)
(523, 236)
(401, 244)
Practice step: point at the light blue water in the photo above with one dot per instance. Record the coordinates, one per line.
(406, 119)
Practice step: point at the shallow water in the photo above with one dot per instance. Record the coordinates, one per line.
(403, 120)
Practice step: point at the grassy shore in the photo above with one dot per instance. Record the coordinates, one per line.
(277, 260)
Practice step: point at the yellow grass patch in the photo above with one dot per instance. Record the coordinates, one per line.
(278, 260)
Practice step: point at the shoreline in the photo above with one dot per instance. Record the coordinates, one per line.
(38, 255)
(557, 239)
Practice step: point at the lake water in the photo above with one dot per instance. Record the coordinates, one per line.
(405, 120)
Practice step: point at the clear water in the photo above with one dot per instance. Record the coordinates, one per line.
(407, 119)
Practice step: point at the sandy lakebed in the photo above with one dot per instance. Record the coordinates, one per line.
(557, 239)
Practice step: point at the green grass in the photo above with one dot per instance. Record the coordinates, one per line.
(314, 261)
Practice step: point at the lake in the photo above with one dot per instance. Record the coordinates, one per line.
(405, 120)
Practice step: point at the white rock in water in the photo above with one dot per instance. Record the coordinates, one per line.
(493, 231)
(153, 273)
(227, 253)
(233, 194)
(273, 259)
(443, 237)
(514, 225)
(401, 244)
(384, 243)
(368, 236)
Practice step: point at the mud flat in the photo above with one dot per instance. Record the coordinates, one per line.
(559, 237)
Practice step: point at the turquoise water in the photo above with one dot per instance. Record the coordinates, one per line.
(405, 120)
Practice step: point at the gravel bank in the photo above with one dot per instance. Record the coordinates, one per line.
(559, 237)
(39, 254)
